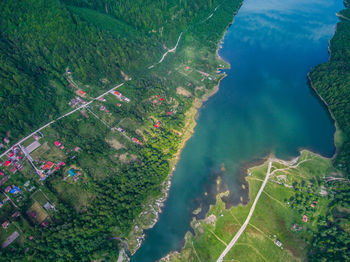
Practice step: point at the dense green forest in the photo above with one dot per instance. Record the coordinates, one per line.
(332, 80)
(50, 50)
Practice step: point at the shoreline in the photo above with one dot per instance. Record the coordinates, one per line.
(337, 130)
(191, 123)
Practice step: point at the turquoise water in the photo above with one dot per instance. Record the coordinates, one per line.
(263, 106)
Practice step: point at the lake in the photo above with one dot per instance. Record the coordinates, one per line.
(263, 106)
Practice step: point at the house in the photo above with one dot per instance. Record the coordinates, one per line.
(15, 190)
(5, 224)
(118, 94)
(62, 147)
(278, 243)
(2, 181)
(32, 214)
(2, 173)
(8, 189)
(305, 218)
(6, 140)
(119, 105)
(102, 108)
(57, 143)
(45, 223)
(82, 93)
(13, 170)
(36, 137)
(48, 165)
(169, 113)
(7, 163)
(16, 214)
(157, 124)
(48, 206)
(126, 99)
(72, 172)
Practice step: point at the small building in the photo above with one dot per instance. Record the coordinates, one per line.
(45, 223)
(6, 140)
(8, 189)
(16, 214)
(48, 206)
(7, 163)
(2, 173)
(72, 172)
(5, 224)
(278, 243)
(157, 124)
(305, 218)
(48, 165)
(82, 93)
(118, 94)
(15, 190)
(57, 143)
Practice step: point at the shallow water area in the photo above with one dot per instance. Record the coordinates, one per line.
(263, 106)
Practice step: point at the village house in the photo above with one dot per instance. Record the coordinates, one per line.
(5, 224)
(278, 243)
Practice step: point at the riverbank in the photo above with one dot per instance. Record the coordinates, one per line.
(338, 136)
(150, 215)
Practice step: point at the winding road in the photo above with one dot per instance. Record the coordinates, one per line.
(243, 227)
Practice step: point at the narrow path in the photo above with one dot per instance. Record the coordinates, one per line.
(53, 121)
(241, 230)
(167, 52)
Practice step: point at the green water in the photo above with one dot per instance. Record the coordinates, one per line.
(263, 106)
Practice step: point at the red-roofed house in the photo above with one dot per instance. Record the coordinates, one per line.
(305, 218)
(118, 94)
(57, 143)
(48, 165)
(5, 224)
(7, 163)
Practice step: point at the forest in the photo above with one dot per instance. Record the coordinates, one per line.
(331, 81)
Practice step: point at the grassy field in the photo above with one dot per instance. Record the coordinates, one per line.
(277, 213)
